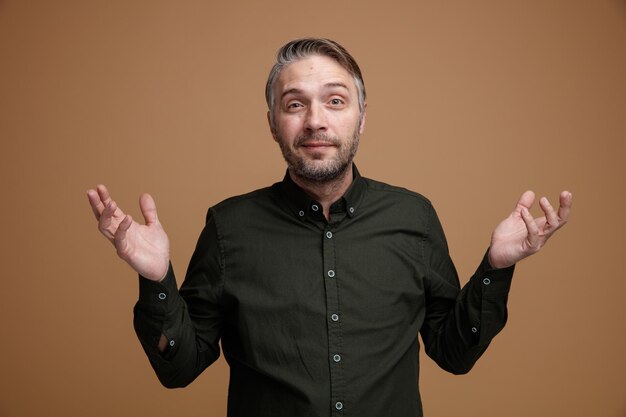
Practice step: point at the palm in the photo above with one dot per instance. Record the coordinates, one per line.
(144, 247)
(520, 235)
(510, 239)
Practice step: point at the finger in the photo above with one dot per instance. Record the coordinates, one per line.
(107, 213)
(106, 220)
(532, 229)
(96, 204)
(565, 205)
(551, 217)
(526, 200)
(120, 236)
(148, 209)
(103, 192)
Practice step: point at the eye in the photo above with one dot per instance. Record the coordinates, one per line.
(336, 101)
(294, 105)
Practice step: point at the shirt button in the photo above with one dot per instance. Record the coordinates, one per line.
(162, 296)
(337, 358)
(301, 213)
(338, 405)
(334, 317)
(331, 273)
(314, 207)
(474, 329)
(172, 343)
(351, 210)
(329, 235)
(486, 281)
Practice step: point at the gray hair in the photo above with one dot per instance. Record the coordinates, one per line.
(298, 49)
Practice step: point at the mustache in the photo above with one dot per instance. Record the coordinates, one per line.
(316, 137)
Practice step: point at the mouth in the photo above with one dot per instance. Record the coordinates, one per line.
(317, 145)
(317, 150)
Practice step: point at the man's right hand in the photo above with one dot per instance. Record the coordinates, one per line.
(145, 248)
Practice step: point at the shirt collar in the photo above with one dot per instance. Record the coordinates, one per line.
(304, 206)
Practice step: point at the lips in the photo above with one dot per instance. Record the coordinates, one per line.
(317, 145)
(317, 141)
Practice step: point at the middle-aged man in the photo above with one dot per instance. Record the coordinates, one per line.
(318, 286)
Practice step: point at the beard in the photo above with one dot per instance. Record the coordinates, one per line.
(315, 169)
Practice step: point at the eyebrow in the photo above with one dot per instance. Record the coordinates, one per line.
(327, 85)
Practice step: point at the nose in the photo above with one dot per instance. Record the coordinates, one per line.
(315, 119)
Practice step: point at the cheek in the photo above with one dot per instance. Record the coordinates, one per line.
(288, 127)
(347, 125)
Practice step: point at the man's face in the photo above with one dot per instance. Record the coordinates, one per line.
(317, 118)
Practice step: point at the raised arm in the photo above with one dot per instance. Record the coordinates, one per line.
(460, 324)
(144, 247)
(520, 235)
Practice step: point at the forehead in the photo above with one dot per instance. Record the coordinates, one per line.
(313, 72)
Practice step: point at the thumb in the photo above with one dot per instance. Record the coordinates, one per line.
(148, 209)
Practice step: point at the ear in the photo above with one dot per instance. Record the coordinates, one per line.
(272, 130)
(362, 122)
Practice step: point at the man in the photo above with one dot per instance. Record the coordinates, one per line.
(318, 286)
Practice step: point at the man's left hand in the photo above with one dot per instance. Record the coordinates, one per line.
(520, 235)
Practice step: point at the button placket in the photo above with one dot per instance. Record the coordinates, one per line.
(332, 286)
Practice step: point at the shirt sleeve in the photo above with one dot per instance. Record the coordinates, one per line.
(460, 323)
(190, 319)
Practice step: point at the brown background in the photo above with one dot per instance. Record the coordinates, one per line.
(470, 103)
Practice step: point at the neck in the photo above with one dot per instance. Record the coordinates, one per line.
(326, 193)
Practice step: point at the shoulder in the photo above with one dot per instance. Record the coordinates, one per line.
(245, 205)
(401, 206)
(396, 206)
(381, 190)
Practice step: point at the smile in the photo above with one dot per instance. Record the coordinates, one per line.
(317, 144)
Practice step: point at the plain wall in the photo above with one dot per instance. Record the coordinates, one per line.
(469, 103)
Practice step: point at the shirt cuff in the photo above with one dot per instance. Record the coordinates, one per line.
(158, 297)
(495, 283)
(156, 309)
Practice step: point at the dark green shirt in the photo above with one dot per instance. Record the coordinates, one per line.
(321, 318)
